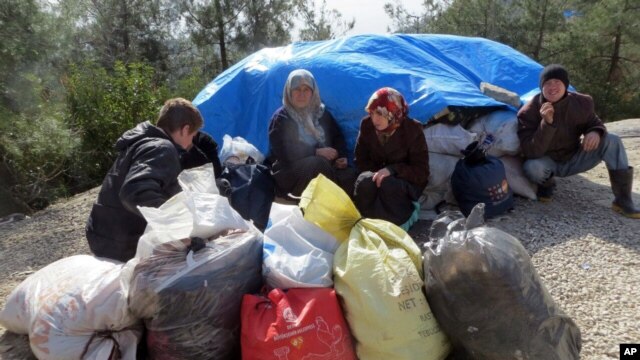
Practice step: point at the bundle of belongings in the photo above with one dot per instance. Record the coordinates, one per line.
(481, 179)
(248, 182)
(74, 308)
(298, 323)
(188, 292)
(321, 283)
(377, 272)
(488, 297)
(195, 262)
(453, 131)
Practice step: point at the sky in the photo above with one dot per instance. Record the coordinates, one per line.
(369, 14)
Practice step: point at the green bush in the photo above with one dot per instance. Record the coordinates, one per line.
(190, 85)
(36, 148)
(102, 105)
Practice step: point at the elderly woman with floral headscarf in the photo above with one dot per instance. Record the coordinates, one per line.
(305, 140)
(391, 154)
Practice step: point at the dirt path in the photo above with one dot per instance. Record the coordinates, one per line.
(587, 256)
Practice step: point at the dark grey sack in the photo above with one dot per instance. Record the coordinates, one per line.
(190, 300)
(487, 296)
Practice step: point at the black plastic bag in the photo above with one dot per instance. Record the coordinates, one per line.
(190, 300)
(487, 296)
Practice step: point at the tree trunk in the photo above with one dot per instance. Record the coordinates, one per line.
(124, 15)
(538, 47)
(485, 25)
(221, 36)
(614, 68)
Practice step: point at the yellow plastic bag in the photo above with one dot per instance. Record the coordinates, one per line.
(378, 274)
(328, 206)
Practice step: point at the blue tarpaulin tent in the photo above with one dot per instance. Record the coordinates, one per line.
(431, 71)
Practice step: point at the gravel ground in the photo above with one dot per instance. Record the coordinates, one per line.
(587, 256)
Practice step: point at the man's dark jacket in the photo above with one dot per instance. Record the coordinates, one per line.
(144, 174)
(574, 116)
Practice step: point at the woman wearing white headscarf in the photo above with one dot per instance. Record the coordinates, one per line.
(305, 140)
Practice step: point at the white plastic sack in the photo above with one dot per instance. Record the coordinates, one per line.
(298, 254)
(438, 188)
(240, 148)
(212, 214)
(199, 179)
(440, 169)
(518, 182)
(190, 213)
(448, 139)
(64, 304)
(503, 125)
(278, 212)
(171, 221)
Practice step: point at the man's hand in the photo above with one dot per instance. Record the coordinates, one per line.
(546, 111)
(591, 141)
(327, 153)
(380, 175)
(340, 163)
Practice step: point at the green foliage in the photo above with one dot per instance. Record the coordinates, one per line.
(123, 30)
(35, 144)
(36, 149)
(189, 86)
(598, 41)
(324, 24)
(608, 68)
(232, 29)
(22, 44)
(102, 105)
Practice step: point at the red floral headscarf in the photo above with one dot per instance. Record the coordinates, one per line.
(391, 104)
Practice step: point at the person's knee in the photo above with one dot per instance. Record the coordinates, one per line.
(612, 142)
(315, 165)
(537, 171)
(365, 184)
(324, 166)
(390, 185)
(365, 176)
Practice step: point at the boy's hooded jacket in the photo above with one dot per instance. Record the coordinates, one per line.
(144, 174)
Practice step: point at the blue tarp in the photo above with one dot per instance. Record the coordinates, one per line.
(431, 71)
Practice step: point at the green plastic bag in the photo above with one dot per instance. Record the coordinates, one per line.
(378, 274)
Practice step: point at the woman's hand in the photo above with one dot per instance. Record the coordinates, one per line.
(380, 175)
(340, 163)
(328, 153)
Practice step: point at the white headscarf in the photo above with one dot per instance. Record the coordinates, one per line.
(308, 116)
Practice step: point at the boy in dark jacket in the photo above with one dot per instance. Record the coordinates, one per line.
(561, 135)
(144, 174)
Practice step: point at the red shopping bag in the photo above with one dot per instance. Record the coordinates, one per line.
(305, 324)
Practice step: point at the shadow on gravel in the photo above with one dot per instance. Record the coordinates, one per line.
(580, 208)
(15, 347)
